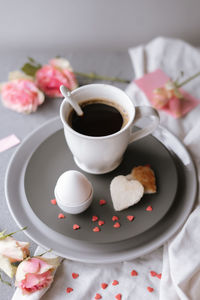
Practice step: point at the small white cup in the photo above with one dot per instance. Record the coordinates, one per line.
(99, 155)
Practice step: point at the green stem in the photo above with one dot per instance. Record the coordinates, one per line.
(188, 80)
(9, 234)
(93, 76)
(45, 252)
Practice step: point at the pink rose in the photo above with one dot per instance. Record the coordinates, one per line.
(50, 77)
(12, 251)
(160, 97)
(35, 273)
(21, 95)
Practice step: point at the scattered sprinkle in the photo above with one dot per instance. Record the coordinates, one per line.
(61, 216)
(104, 285)
(97, 296)
(115, 282)
(101, 222)
(118, 296)
(149, 208)
(102, 202)
(130, 218)
(69, 290)
(117, 225)
(76, 226)
(150, 289)
(94, 218)
(115, 218)
(75, 275)
(96, 229)
(53, 201)
(159, 275)
(134, 273)
(153, 273)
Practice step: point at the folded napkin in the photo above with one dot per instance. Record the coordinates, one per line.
(180, 260)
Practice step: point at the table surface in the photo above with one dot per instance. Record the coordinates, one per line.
(103, 63)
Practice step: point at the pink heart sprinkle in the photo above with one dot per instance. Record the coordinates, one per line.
(149, 208)
(115, 218)
(75, 275)
(53, 201)
(94, 218)
(69, 290)
(130, 218)
(117, 225)
(159, 276)
(115, 282)
(104, 285)
(96, 229)
(153, 273)
(98, 296)
(150, 289)
(102, 202)
(134, 273)
(76, 226)
(101, 222)
(61, 216)
(118, 296)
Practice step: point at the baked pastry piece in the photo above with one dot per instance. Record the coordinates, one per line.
(124, 192)
(145, 175)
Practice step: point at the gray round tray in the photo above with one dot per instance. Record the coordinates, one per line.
(44, 155)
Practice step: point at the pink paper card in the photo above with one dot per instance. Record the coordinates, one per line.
(157, 79)
(8, 142)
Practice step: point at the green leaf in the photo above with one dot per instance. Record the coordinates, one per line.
(30, 69)
(32, 60)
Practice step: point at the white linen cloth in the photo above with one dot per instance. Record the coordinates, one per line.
(179, 259)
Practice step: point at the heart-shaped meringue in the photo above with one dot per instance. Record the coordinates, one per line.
(124, 192)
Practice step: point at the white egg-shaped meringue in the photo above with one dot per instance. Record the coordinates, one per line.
(73, 192)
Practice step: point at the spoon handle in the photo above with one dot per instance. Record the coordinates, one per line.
(68, 97)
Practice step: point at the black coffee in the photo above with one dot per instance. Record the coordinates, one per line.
(99, 119)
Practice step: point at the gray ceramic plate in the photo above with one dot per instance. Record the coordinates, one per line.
(40, 160)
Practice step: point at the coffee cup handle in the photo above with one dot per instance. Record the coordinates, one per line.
(143, 112)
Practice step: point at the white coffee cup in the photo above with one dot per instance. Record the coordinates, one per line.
(99, 155)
